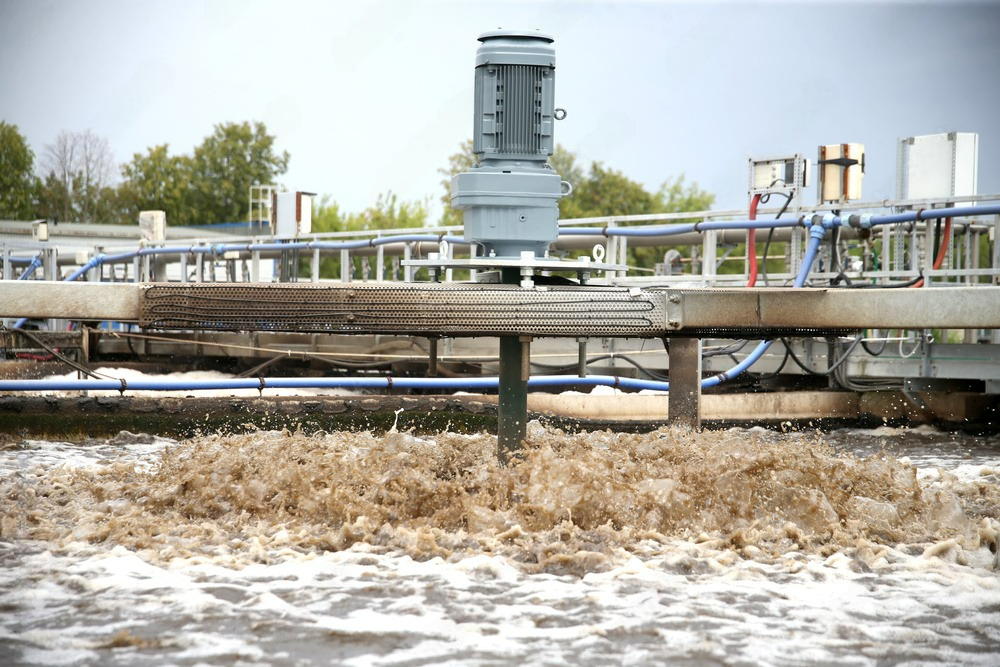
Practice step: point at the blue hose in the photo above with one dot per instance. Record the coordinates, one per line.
(817, 232)
(94, 262)
(833, 221)
(453, 384)
(380, 382)
(36, 262)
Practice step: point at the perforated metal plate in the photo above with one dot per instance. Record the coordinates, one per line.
(445, 309)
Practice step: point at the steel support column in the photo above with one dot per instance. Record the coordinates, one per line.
(515, 368)
(684, 400)
(512, 415)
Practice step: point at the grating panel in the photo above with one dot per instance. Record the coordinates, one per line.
(452, 310)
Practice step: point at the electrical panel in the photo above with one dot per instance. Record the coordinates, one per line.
(937, 165)
(40, 230)
(841, 168)
(153, 226)
(785, 174)
(291, 213)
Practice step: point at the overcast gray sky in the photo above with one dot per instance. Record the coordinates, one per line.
(374, 96)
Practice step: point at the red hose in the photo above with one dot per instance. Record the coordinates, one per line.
(942, 250)
(34, 357)
(752, 243)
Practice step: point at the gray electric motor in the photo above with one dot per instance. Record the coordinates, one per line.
(510, 200)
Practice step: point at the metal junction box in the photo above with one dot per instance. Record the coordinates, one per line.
(937, 165)
(153, 226)
(841, 168)
(786, 174)
(291, 213)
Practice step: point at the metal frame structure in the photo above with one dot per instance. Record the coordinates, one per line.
(707, 304)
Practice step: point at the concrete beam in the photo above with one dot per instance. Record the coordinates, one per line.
(488, 310)
(70, 301)
(818, 308)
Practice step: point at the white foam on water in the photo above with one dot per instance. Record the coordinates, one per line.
(134, 376)
(670, 601)
(393, 610)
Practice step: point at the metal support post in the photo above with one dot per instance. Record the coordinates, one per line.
(709, 255)
(432, 362)
(684, 398)
(449, 254)
(51, 266)
(512, 417)
(515, 367)
(345, 270)
(582, 357)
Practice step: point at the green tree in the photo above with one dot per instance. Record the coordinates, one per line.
(387, 213)
(674, 196)
(225, 165)
(78, 170)
(607, 192)
(326, 216)
(17, 183)
(564, 164)
(459, 162)
(54, 198)
(159, 181)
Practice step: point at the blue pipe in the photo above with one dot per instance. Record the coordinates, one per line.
(925, 214)
(817, 233)
(93, 263)
(36, 262)
(222, 248)
(834, 221)
(739, 368)
(380, 382)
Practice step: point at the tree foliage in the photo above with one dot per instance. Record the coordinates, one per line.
(17, 183)
(230, 160)
(459, 162)
(387, 213)
(211, 185)
(78, 173)
(158, 181)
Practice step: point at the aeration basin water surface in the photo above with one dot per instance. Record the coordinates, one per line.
(742, 547)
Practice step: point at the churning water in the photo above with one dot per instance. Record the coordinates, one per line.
(738, 547)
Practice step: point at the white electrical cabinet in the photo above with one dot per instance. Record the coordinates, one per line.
(937, 165)
(153, 226)
(292, 213)
(841, 168)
